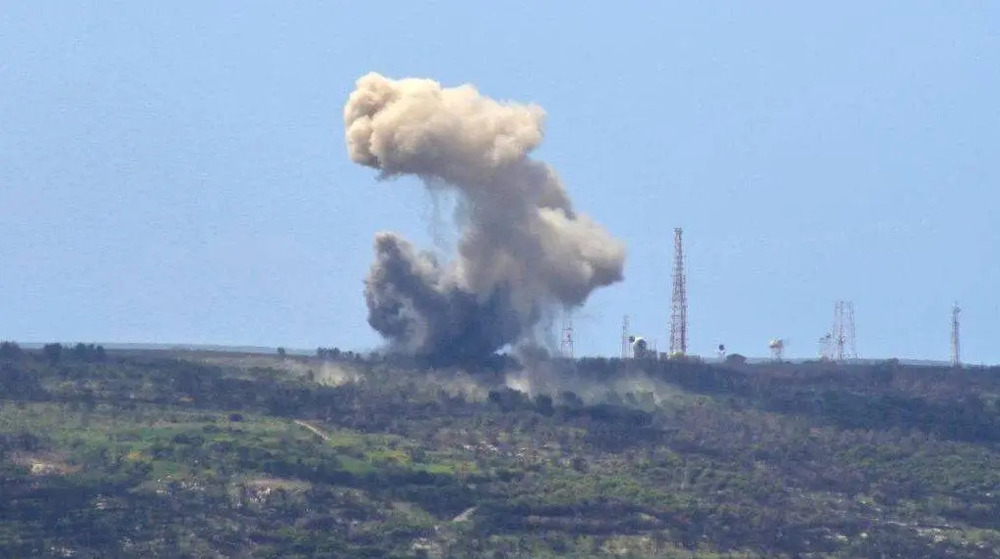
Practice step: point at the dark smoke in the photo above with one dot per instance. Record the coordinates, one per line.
(523, 249)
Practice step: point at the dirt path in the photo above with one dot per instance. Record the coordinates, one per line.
(465, 516)
(316, 430)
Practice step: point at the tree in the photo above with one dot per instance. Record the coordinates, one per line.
(52, 352)
(10, 350)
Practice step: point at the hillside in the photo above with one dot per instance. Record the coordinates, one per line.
(211, 454)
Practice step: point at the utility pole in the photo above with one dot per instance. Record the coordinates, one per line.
(956, 357)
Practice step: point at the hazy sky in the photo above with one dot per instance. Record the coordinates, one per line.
(176, 171)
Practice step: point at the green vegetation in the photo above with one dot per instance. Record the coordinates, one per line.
(159, 454)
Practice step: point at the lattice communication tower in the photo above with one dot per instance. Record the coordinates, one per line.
(566, 345)
(842, 335)
(678, 308)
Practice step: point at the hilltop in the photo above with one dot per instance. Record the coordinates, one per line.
(179, 453)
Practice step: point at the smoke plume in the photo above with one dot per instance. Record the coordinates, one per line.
(522, 248)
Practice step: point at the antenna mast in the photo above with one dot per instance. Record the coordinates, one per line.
(626, 344)
(566, 347)
(678, 310)
(956, 359)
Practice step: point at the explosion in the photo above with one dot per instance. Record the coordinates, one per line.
(522, 249)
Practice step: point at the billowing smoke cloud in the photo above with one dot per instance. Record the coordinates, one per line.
(522, 248)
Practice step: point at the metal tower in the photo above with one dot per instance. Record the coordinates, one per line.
(566, 346)
(956, 358)
(826, 347)
(843, 337)
(626, 342)
(678, 309)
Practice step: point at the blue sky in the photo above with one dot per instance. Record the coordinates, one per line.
(176, 172)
